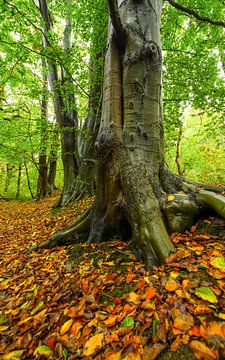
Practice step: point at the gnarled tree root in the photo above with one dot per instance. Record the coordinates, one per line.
(214, 201)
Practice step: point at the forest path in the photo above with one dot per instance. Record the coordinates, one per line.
(99, 302)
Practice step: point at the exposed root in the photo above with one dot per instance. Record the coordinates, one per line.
(198, 185)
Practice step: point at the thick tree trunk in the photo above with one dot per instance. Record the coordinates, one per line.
(132, 177)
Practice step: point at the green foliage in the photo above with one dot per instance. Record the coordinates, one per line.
(193, 53)
(202, 149)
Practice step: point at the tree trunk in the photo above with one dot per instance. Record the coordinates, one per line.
(18, 181)
(66, 116)
(53, 161)
(9, 170)
(28, 180)
(132, 177)
(42, 182)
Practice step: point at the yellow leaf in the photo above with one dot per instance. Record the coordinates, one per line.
(133, 297)
(13, 355)
(170, 197)
(218, 262)
(206, 294)
(66, 326)
(93, 344)
(221, 316)
(3, 328)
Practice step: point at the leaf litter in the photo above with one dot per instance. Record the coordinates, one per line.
(99, 302)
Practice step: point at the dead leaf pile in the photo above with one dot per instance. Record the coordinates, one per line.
(106, 306)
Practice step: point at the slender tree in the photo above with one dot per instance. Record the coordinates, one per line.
(66, 114)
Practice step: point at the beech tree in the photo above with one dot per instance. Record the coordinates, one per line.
(132, 175)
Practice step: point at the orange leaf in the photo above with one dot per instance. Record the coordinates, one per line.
(151, 292)
(50, 341)
(130, 277)
(202, 351)
(110, 321)
(94, 343)
(72, 312)
(76, 328)
(216, 328)
(172, 285)
(112, 337)
(183, 322)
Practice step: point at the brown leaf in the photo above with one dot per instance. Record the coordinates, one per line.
(183, 322)
(152, 352)
(202, 351)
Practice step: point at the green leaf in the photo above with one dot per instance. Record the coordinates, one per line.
(155, 323)
(202, 266)
(42, 350)
(218, 262)
(2, 320)
(38, 308)
(206, 294)
(128, 321)
(65, 353)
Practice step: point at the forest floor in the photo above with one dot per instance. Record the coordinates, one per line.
(98, 302)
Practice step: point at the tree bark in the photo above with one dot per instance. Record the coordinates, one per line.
(18, 181)
(53, 161)
(28, 180)
(132, 176)
(42, 182)
(66, 116)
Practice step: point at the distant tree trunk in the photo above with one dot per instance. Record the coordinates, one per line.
(53, 161)
(177, 158)
(28, 180)
(9, 169)
(42, 182)
(66, 115)
(18, 181)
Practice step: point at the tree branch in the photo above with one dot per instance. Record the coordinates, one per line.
(195, 14)
(116, 21)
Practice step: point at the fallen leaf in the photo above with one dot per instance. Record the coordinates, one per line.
(42, 350)
(110, 321)
(92, 344)
(172, 285)
(13, 355)
(128, 321)
(66, 326)
(206, 294)
(218, 262)
(183, 322)
(202, 351)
